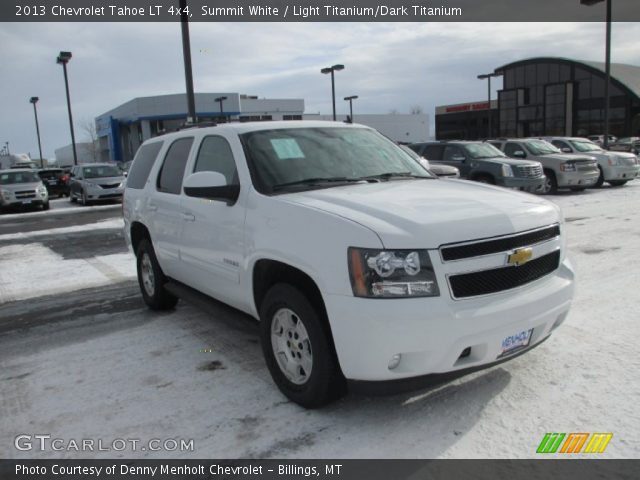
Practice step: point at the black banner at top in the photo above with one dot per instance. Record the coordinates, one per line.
(317, 10)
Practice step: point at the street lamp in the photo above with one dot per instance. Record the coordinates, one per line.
(488, 77)
(589, 3)
(220, 100)
(350, 100)
(333, 84)
(34, 100)
(63, 59)
(186, 53)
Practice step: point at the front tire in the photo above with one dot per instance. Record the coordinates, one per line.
(297, 348)
(617, 183)
(551, 184)
(45, 206)
(600, 180)
(151, 279)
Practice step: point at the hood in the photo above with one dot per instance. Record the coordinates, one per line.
(566, 157)
(429, 213)
(19, 187)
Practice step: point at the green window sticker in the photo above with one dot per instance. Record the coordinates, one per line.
(286, 148)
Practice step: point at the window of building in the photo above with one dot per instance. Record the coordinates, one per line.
(172, 171)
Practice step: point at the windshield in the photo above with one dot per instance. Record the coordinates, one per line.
(540, 147)
(482, 150)
(8, 178)
(101, 171)
(312, 157)
(585, 146)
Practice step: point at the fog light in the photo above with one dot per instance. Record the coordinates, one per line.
(395, 361)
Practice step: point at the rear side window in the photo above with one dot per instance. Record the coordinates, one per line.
(433, 152)
(215, 156)
(145, 158)
(172, 172)
(511, 148)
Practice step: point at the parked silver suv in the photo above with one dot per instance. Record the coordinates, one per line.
(22, 188)
(95, 181)
(563, 170)
(616, 168)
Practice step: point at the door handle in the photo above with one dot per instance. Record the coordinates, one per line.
(188, 217)
(152, 207)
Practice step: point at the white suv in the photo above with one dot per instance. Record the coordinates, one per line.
(363, 268)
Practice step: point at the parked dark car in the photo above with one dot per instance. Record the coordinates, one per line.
(56, 181)
(442, 170)
(627, 144)
(482, 162)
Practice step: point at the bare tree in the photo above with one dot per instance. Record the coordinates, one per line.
(88, 127)
(416, 110)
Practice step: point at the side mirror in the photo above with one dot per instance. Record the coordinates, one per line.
(519, 154)
(212, 186)
(566, 149)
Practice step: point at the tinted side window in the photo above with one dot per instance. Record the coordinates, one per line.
(498, 145)
(417, 147)
(453, 153)
(215, 156)
(510, 148)
(145, 158)
(172, 172)
(560, 144)
(433, 152)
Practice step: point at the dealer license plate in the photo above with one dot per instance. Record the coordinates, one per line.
(26, 202)
(516, 342)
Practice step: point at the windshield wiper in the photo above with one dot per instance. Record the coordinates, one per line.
(316, 181)
(390, 175)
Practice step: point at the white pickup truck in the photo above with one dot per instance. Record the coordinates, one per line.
(364, 269)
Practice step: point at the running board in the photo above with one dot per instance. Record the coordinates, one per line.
(230, 316)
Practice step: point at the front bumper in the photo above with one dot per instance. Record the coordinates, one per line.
(523, 183)
(432, 333)
(577, 179)
(623, 172)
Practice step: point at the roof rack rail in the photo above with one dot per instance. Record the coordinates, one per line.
(186, 126)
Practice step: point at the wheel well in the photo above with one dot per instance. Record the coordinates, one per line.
(549, 173)
(479, 175)
(138, 232)
(266, 273)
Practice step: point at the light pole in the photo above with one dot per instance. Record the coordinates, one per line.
(186, 53)
(34, 100)
(488, 77)
(350, 100)
(333, 84)
(220, 100)
(63, 59)
(607, 82)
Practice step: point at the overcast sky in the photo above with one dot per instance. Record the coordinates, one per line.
(390, 66)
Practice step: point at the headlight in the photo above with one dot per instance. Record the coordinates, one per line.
(507, 171)
(568, 167)
(42, 189)
(89, 184)
(391, 273)
(6, 194)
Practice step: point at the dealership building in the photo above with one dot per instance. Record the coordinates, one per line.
(549, 96)
(122, 130)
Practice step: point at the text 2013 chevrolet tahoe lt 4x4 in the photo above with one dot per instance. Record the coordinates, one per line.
(362, 267)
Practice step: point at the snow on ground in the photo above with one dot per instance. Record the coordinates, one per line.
(148, 378)
(29, 269)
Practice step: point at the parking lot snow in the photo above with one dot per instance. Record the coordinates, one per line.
(117, 370)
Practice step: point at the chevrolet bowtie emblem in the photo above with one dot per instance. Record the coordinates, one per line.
(520, 256)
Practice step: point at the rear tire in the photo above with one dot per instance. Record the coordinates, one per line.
(617, 183)
(151, 279)
(297, 348)
(550, 185)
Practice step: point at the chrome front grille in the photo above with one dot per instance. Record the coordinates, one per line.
(24, 194)
(528, 171)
